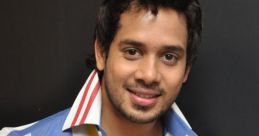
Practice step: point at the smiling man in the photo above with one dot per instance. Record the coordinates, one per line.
(144, 50)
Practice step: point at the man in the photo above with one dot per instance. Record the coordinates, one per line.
(144, 50)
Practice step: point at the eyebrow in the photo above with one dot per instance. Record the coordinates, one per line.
(131, 42)
(174, 48)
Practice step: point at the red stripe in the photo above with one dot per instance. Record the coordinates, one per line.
(83, 99)
(91, 100)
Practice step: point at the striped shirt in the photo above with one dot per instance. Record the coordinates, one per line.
(84, 118)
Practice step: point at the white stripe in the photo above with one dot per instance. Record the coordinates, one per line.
(94, 114)
(75, 106)
(6, 130)
(90, 91)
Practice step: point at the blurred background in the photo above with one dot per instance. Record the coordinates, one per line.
(44, 45)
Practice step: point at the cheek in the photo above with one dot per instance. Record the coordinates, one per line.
(120, 68)
(173, 81)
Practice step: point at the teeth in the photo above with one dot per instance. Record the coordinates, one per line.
(144, 96)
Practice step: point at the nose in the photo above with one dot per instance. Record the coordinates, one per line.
(148, 71)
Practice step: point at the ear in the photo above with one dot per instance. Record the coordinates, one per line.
(187, 71)
(99, 55)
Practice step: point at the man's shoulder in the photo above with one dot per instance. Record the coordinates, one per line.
(45, 127)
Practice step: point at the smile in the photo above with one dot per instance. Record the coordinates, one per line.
(143, 97)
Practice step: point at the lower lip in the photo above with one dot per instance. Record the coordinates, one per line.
(147, 102)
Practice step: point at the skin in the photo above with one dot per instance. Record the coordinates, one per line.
(143, 72)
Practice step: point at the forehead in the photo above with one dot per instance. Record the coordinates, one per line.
(166, 27)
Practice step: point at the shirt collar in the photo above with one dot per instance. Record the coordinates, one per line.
(176, 124)
(87, 106)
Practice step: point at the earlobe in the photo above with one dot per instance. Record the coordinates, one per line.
(187, 71)
(99, 56)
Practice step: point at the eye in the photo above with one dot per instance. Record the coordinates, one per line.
(169, 58)
(132, 53)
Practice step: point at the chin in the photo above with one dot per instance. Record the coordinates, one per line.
(143, 116)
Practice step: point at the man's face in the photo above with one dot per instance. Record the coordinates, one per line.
(146, 64)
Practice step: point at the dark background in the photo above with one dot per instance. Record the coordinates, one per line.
(44, 44)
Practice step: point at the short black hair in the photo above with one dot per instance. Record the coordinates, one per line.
(107, 22)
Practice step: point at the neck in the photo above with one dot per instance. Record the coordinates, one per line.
(115, 124)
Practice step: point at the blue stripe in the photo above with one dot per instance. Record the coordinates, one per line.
(50, 126)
